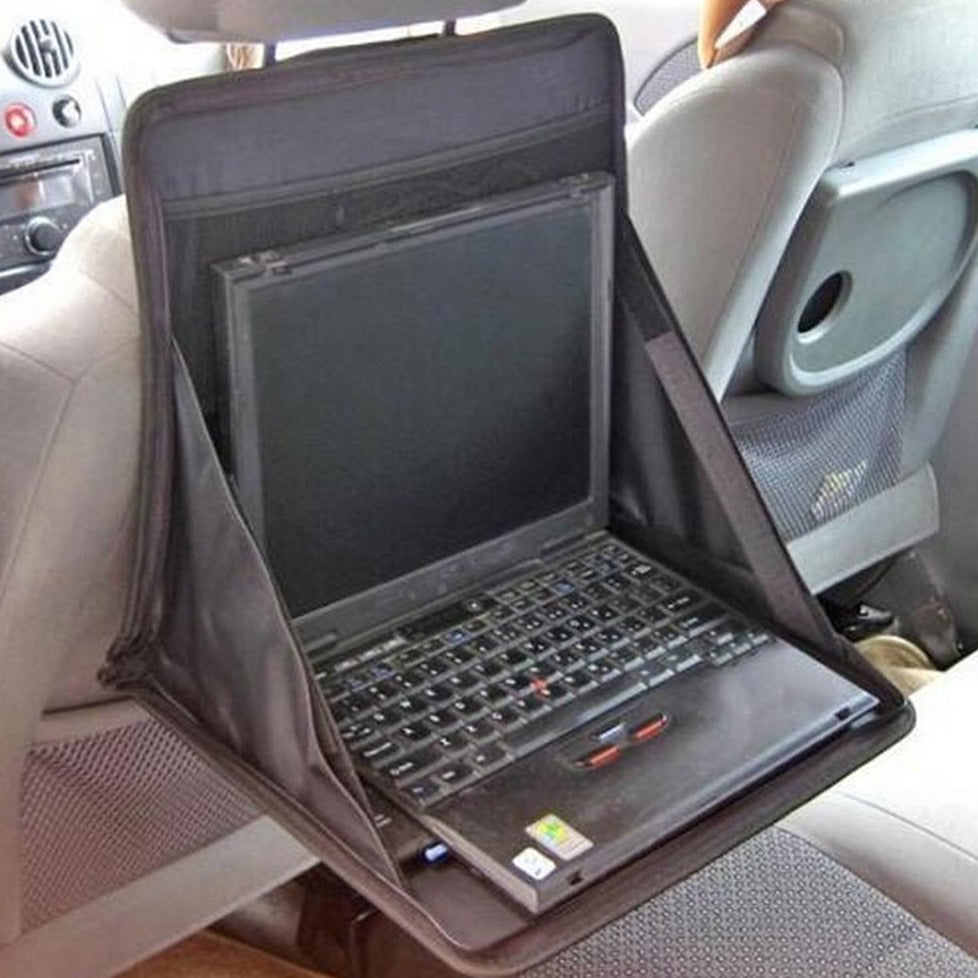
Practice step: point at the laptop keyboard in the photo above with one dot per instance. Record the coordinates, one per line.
(448, 699)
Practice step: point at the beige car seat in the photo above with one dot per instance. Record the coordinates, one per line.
(114, 838)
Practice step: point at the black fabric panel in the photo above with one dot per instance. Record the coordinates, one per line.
(655, 478)
(657, 501)
(721, 467)
(657, 483)
(226, 653)
(200, 234)
(680, 482)
(353, 110)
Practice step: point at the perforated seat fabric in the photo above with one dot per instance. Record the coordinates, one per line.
(907, 822)
(721, 170)
(774, 907)
(103, 810)
(671, 72)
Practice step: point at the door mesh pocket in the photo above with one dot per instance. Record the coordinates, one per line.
(816, 457)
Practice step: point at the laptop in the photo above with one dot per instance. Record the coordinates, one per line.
(418, 431)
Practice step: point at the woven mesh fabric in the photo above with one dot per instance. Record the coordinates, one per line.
(822, 455)
(103, 810)
(773, 908)
(683, 63)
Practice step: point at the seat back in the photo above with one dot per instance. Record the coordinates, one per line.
(810, 205)
(114, 837)
(69, 437)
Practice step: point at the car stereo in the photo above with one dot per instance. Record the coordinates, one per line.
(44, 193)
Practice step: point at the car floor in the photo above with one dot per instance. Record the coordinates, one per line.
(902, 662)
(212, 955)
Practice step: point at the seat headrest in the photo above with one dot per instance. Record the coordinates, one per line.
(264, 22)
(723, 19)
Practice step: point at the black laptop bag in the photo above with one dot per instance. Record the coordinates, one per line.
(339, 142)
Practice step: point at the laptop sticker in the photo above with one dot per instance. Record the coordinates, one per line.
(534, 864)
(555, 835)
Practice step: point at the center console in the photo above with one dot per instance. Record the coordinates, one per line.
(43, 194)
(59, 121)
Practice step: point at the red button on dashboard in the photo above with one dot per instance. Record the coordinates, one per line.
(19, 120)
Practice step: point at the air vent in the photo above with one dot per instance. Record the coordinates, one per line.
(43, 52)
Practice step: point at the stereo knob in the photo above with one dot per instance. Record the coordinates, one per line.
(43, 237)
(67, 112)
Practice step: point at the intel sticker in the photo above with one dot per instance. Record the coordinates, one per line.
(556, 836)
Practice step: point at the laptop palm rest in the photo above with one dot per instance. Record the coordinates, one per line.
(718, 734)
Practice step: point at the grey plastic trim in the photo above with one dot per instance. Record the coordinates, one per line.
(893, 232)
(60, 725)
(889, 522)
(107, 935)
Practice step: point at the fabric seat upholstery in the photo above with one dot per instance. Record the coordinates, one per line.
(907, 823)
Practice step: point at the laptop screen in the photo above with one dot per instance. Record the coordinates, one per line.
(409, 395)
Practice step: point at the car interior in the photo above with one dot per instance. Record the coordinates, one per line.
(803, 177)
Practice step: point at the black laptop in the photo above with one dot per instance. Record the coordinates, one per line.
(418, 431)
